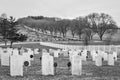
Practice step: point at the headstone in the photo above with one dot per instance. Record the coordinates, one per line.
(47, 64)
(100, 53)
(22, 51)
(26, 57)
(44, 52)
(71, 53)
(113, 48)
(59, 52)
(31, 54)
(56, 53)
(101, 48)
(93, 54)
(15, 52)
(16, 65)
(10, 51)
(65, 52)
(1, 51)
(84, 55)
(115, 55)
(118, 50)
(76, 65)
(51, 51)
(5, 58)
(90, 48)
(96, 48)
(105, 56)
(111, 59)
(98, 60)
(107, 48)
(36, 51)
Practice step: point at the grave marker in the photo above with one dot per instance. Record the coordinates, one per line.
(76, 65)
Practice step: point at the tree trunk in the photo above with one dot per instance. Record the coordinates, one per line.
(79, 37)
(11, 43)
(73, 35)
(5, 43)
(91, 37)
(51, 33)
(101, 37)
(60, 34)
(55, 33)
(63, 35)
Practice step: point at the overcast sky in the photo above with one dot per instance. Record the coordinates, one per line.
(60, 8)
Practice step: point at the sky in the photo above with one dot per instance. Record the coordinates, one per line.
(60, 8)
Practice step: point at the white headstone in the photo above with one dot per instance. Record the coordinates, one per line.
(1, 51)
(115, 55)
(101, 48)
(105, 56)
(51, 51)
(84, 55)
(22, 51)
(65, 52)
(71, 53)
(107, 48)
(10, 51)
(26, 57)
(113, 48)
(36, 51)
(56, 53)
(111, 59)
(5, 56)
(93, 54)
(31, 54)
(76, 65)
(15, 52)
(98, 60)
(47, 64)
(16, 65)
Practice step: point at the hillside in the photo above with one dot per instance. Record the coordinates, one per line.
(34, 27)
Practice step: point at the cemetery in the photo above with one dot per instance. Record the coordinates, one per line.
(42, 62)
(37, 47)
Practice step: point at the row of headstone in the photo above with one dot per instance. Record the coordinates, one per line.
(90, 47)
(15, 59)
(97, 55)
(76, 57)
(48, 64)
(65, 51)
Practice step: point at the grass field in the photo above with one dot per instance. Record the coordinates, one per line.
(89, 70)
(89, 42)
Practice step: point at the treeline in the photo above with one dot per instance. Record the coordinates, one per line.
(89, 25)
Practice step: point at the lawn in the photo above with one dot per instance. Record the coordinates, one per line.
(89, 72)
(92, 42)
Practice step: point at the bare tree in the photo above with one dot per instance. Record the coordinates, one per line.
(73, 27)
(63, 26)
(100, 23)
(81, 23)
(105, 23)
(93, 20)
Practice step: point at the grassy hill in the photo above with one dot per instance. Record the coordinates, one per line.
(34, 35)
